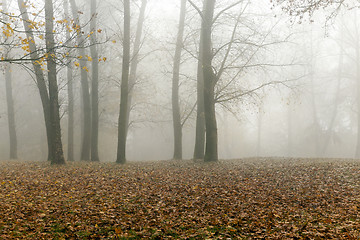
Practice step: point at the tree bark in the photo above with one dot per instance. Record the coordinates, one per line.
(135, 59)
(70, 90)
(200, 115)
(121, 148)
(9, 99)
(94, 86)
(10, 112)
(211, 150)
(177, 127)
(40, 80)
(58, 157)
(86, 142)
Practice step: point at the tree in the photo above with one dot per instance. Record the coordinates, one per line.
(70, 154)
(177, 127)
(135, 59)
(58, 157)
(211, 152)
(39, 75)
(86, 141)
(121, 147)
(94, 85)
(9, 98)
(200, 115)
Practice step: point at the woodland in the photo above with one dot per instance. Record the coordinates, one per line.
(188, 119)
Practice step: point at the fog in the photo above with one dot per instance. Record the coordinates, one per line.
(288, 89)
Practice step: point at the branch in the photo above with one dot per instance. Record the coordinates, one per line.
(196, 8)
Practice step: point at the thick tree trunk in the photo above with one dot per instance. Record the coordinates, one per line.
(70, 154)
(40, 80)
(200, 115)
(175, 85)
(135, 59)
(121, 148)
(58, 157)
(94, 86)
(211, 150)
(86, 142)
(9, 98)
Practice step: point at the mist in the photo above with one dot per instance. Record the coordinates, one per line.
(286, 87)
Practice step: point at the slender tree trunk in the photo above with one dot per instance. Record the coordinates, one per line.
(135, 59)
(290, 128)
(70, 154)
(357, 150)
(200, 115)
(337, 97)
(9, 98)
(86, 142)
(40, 80)
(259, 130)
(316, 124)
(175, 85)
(58, 157)
(121, 148)
(94, 86)
(211, 148)
(10, 112)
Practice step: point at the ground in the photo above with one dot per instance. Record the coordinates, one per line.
(233, 199)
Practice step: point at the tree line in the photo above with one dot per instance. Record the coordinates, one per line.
(45, 41)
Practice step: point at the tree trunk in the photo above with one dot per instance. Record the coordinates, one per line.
(70, 154)
(175, 85)
(200, 115)
(40, 80)
(135, 59)
(10, 112)
(337, 96)
(211, 151)
(85, 149)
(94, 86)
(121, 148)
(58, 157)
(357, 150)
(9, 99)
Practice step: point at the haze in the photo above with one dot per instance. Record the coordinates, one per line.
(287, 89)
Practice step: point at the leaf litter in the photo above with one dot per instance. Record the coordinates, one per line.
(267, 198)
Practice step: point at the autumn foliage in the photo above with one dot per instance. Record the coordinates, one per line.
(250, 199)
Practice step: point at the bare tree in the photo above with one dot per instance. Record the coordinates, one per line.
(70, 141)
(94, 85)
(211, 152)
(86, 141)
(58, 157)
(177, 127)
(121, 148)
(9, 97)
(135, 59)
(39, 75)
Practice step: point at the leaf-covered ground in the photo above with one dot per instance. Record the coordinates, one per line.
(237, 199)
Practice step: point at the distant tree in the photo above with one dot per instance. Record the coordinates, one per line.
(86, 141)
(135, 59)
(9, 96)
(177, 127)
(122, 128)
(94, 85)
(70, 86)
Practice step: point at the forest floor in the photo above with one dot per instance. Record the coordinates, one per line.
(233, 199)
